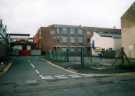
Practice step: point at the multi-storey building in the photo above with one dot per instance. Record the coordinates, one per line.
(128, 31)
(60, 36)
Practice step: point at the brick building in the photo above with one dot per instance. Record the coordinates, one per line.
(128, 31)
(59, 36)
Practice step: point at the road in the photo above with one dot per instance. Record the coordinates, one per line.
(34, 76)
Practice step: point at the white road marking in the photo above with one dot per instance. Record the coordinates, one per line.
(88, 75)
(75, 76)
(61, 68)
(71, 76)
(33, 66)
(31, 82)
(48, 77)
(61, 77)
(37, 71)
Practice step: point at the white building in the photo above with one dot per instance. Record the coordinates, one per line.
(106, 40)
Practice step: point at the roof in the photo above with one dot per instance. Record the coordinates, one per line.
(99, 29)
(18, 34)
(130, 10)
(62, 25)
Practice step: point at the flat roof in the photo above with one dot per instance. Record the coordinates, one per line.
(18, 34)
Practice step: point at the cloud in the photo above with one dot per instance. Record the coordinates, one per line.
(26, 16)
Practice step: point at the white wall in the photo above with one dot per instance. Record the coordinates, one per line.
(106, 42)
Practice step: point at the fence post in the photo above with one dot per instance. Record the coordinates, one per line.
(82, 57)
(67, 54)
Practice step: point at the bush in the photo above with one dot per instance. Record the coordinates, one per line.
(127, 66)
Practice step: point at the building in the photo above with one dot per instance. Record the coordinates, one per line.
(17, 37)
(107, 40)
(104, 38)
(128, 31)
(56, 36)
(19, 41)
(60, 36)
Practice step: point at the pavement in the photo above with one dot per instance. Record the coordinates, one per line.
(35, 76)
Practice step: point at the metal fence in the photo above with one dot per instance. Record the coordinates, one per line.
(80, 57)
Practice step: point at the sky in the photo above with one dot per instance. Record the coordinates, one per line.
(27, 16)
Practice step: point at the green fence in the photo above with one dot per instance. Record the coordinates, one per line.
(70, 55)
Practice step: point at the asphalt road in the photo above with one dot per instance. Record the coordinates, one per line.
(34, 76)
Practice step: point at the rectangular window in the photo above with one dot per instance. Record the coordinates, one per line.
(64, 39)
(72, 39)
(58, 30)
(52, 32)
(80, 40)
(72, 50)
(80, 31)
(72, 31)
(64, 30)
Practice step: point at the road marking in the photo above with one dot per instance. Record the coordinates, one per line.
(31, 82)
(37, 71)
(75, 76)
(33, 66)
(56, 66)
(48, 77)
(61, 77)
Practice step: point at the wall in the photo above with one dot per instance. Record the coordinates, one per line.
(106, 42)
(128, 31)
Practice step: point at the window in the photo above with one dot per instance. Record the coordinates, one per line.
(72, 31)
(63, 49)
(58, 30)
(72, 50)
(80, 40)
(52, 32)
(72, 39)
(80, 32)
(64, 30)
(58, 38)
(64, 39)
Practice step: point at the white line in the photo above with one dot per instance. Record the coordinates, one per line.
(61, 77)
(75, 76)
(48, 77)
(56, 66)
(40, 76)
(37, 71)
(33, 66)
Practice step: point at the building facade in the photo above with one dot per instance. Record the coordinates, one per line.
(128, 31)
(56, 36)
(106, 40)
(63, 36)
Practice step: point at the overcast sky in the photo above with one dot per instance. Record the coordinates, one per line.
(26, 16)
